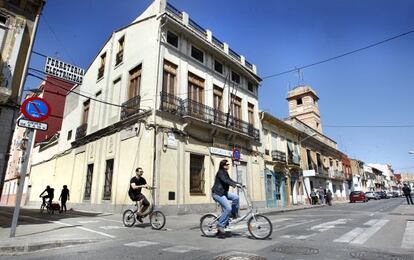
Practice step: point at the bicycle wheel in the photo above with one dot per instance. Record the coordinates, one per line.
(208, 225)
(49, 210)
(259, 226)
(128, 218)
(157, 220)
(42, 208)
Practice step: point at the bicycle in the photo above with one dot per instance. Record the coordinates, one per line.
(157, 218)
(259, 226)
(49, 207)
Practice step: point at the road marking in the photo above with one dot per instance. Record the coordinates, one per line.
(180, 249)
(111, 227)
(296, 224)
(371, 222)
(408, 238)
(369, 232)
(348, 237)
(372, 214)
(142, 244)
(88, 221)
(83, 228)
(117, 221)
(328, 225)
(244, 225)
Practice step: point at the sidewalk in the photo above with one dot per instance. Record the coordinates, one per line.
(54, 232)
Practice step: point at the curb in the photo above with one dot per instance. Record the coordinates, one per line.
(31, 247)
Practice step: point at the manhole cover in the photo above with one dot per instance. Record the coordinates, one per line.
(365, 255)
(296, 250)
(239, 256)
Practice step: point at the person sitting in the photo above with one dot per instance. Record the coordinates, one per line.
(50, 195)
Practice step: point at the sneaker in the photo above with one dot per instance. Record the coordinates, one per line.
(140, 219)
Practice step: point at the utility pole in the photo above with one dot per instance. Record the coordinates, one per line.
(26, 148)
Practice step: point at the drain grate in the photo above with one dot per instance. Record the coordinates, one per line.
(239, 256)
(296, 250)
(366, 255)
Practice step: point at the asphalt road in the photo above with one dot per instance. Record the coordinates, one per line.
(346, 231)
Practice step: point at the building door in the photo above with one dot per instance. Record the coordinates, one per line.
(280, 182)
(241, 177)
(270, 185)
(294, 190)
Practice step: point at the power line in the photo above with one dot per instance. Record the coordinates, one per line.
(339, 56)
(57, 38)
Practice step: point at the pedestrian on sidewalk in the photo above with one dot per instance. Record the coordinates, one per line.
(314, 197)
(407, 193)
(329, 197)
(321, 194)
(64, 196)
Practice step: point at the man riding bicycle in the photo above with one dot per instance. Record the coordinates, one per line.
(222, 195)
(136, 184)
(50, 195)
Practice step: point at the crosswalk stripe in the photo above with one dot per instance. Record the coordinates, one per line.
(348, 237)
(361, 239)
(244, 225)
(408, 238)
(180, 249)
(141, 243)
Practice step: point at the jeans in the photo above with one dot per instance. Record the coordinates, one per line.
(408, 196)
(225, 205)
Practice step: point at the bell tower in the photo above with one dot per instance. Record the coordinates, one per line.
(303, 105)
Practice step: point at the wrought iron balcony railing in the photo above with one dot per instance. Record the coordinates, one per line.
(293, 159)
(198, 28)
(174, 11)
(191, 108)
(130, 107)
(81, 131)
(279, 156)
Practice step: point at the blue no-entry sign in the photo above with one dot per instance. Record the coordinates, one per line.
(35, 109)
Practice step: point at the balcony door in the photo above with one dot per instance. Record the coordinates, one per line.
(134, 82)
(195, 95)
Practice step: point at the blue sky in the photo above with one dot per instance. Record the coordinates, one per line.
(372, 87)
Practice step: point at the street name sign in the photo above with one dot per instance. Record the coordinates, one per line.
(23, 122)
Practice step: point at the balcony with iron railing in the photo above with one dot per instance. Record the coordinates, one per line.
(81, 131)
(130, 107)
(202, 32)
(293, 159)
(174, 11)
(322, 171)
(193, 109)
(198, 28)
(278, 156)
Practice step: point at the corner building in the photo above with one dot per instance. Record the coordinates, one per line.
(177, 101)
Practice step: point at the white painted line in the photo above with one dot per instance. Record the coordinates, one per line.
(328, 225)
(112, 227)
(244, 225)
(296, 224)
(88, 221)
(408, 238)
(117, 221)
(303, 237)
(83, 228)
(369, 232)
(348, 237)
(371, 222)
(180, 249)
(142, 244)
(372, 214)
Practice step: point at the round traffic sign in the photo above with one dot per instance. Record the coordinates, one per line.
(236, 154)
(35, 109)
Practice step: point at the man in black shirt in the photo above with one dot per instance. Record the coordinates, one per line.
(50, 194)
(407, 193)
(64, 196)
(136, 184)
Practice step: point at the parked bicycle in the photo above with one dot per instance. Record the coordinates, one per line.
(156, 217)
(259, 226)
